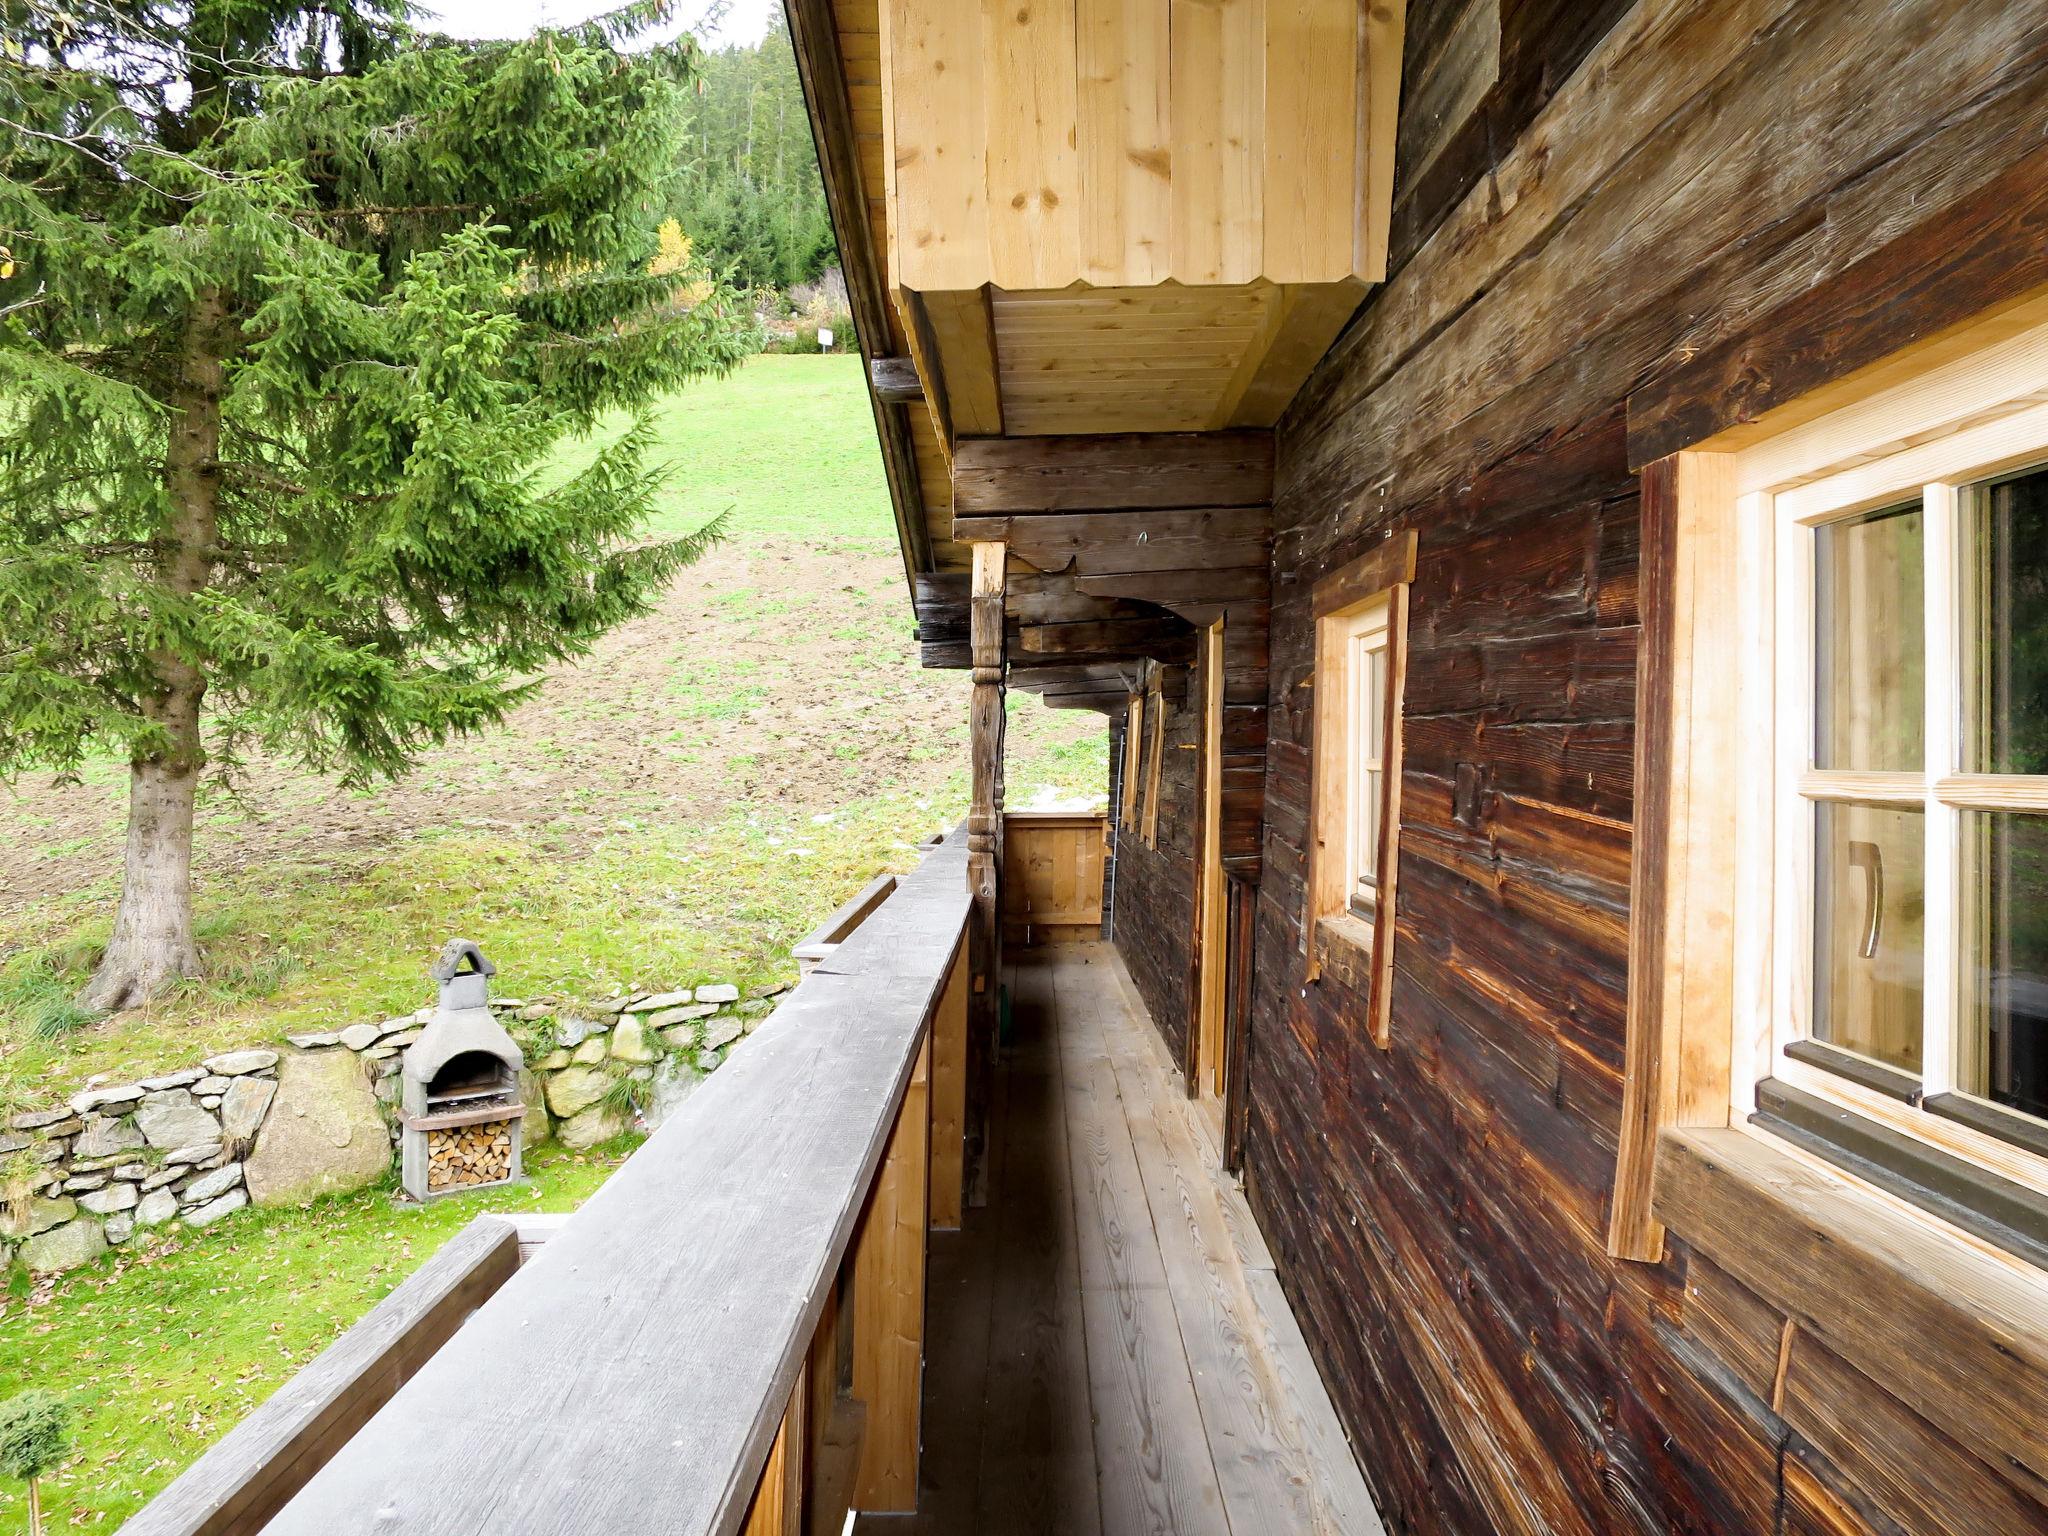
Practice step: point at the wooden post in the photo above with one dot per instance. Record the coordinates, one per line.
(778, 1507)
(835, 1420)
(984, 841)
(949, 1097)
(1205, 1066)
(888, 1306)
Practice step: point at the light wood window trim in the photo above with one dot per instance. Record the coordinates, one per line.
(1134, 732)
(1706, 991)
(1381, 575)
(1155, 711)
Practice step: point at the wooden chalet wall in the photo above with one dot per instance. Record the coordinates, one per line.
(1155, 887)
(1616, 229)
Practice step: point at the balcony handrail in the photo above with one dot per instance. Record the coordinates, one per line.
(247, 1476)
(679, 1315)
(821, 941)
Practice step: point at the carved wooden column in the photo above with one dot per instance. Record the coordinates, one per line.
(984, 843)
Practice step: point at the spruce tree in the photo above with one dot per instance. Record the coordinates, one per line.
(295, 303)
(748, 189)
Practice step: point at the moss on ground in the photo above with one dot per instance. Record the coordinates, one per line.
(650, 906)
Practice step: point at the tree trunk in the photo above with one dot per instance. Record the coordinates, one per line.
(152, 943)
(35, 1508)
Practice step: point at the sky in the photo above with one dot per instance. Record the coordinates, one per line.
(743, 21)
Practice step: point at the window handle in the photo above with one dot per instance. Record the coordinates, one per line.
(1869, 858)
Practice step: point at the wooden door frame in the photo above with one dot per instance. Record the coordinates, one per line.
(1241, 949)
(1208, 1056)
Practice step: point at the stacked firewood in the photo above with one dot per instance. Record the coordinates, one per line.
(469, 1154)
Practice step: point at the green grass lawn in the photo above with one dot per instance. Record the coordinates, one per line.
(682, 808)
(167, 1348)
(786, 445)
(655, 906)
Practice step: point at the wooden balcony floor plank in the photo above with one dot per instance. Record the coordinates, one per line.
(1263, 1478)
(1269, 1425)
(1037, 1457)
(1152, 1455)
(1115, 1280)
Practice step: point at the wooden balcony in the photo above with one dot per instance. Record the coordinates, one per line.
(763, 1322)
(1107, 1346)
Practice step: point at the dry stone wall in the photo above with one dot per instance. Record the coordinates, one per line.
(318, 1115)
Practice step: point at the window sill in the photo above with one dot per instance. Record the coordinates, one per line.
(1344, 946)
(2001, 1211)
(1910, 1301)
(1347, 927)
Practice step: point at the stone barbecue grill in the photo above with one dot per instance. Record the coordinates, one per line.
(460, 1110)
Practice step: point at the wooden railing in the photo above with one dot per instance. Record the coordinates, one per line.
(818, 945)
(727, 1337)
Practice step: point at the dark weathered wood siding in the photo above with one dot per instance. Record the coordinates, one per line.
(1623, 227)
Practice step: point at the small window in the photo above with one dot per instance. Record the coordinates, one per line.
(1365, 670)
(1361, 614)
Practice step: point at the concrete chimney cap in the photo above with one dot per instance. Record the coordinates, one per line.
(453, 953)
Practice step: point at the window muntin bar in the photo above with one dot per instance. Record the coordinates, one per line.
(1921, 788)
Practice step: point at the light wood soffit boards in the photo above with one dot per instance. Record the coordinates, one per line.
(1129, 215)
(1066, 253)
(1083, 360)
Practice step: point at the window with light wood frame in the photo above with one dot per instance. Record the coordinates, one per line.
(1134, 734)
(1361, 618)
(1841, 871)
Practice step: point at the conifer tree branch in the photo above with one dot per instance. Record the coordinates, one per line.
(281, 406)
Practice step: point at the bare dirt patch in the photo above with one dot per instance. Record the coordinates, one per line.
(773, 671)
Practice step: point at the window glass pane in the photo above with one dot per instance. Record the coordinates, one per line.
(1869, 917)
(2002, 1038)
(1869, 645)
(2005, 614)
(1376, 691)
(1368, 829)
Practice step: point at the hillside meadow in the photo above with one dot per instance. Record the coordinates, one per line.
(680, 807)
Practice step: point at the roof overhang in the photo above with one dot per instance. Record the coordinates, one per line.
(1091, 217)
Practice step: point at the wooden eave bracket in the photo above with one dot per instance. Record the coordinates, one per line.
(895, 381)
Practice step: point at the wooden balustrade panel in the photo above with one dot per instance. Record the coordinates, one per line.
(888, 1306)
(1052, 886)
(949, 1097)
